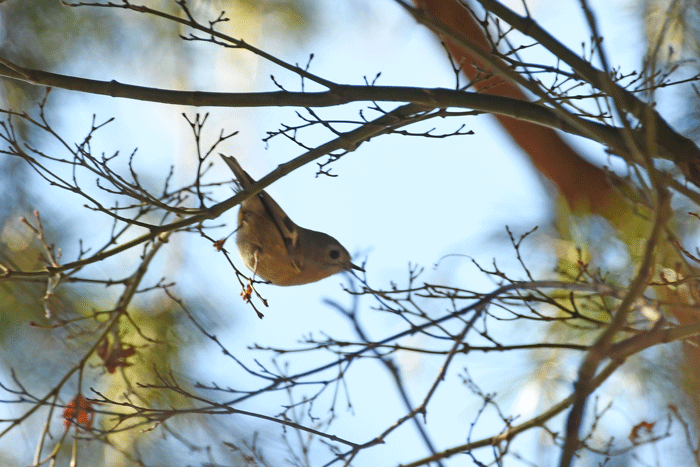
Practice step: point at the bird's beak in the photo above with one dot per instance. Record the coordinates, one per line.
(357, 268)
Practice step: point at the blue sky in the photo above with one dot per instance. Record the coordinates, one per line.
(396, 199)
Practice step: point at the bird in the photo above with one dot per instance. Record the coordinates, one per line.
(275, 248)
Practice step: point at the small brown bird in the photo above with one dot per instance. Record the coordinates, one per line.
(278, 250)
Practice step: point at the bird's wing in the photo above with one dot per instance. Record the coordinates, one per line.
(287, 228)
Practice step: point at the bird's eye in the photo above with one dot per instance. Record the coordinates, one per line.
(334, 254)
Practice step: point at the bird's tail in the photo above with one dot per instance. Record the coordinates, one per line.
(244, 179)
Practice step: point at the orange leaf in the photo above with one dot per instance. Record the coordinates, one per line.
(82, 417)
